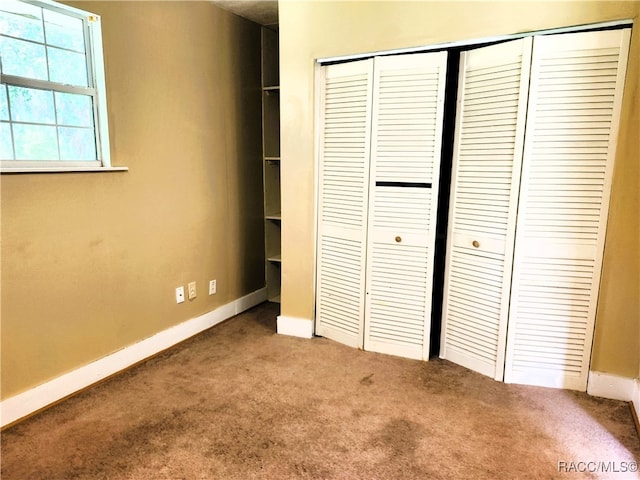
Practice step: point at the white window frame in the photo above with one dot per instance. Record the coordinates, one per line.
(96, 89)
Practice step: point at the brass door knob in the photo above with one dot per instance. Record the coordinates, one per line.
(398, 239)
(475, 243)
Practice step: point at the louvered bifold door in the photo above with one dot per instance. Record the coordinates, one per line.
(572, 127)
(491, 112)
(405, 165)
(345, 131)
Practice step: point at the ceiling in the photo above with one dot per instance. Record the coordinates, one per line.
(264, 12)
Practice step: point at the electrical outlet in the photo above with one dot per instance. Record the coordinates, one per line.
(179, 294)
(192, 290)
(212, 287)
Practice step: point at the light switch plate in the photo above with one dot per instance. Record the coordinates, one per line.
(192, 290)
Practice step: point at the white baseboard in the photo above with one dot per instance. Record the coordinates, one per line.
(611, 386)
(26, 403)
(636, 398)
(295, 327)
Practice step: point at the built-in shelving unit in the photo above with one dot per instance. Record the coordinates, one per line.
(271, 158)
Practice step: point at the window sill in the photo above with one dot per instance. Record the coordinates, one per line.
(62, 169)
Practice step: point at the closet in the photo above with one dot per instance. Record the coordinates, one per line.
(535, 140)
(535, 132)
(381, 134)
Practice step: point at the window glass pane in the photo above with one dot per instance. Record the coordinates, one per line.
(74, 110)
(6, 150)
(31, 105)
(64, 31)
(67, 67)
(4, 106)
(22, 20)
(23, 59)
(35, 142)
(77, 144)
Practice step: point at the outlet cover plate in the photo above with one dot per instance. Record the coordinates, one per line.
(212, 287)
(179, 294)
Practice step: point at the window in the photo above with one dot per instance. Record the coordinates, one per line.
(53, 113)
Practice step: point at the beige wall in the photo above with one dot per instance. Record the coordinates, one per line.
(90, 261)
(310, 30)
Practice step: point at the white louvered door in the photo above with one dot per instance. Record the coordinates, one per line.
(346, 93)
(408, 107)
(491, 111)
(572, 126)
(379, 165)
(535, 140)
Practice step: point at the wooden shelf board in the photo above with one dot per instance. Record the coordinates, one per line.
(273, 216)
(275, 258)
(275, 299)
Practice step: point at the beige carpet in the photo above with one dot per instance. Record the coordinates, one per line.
(240, 402)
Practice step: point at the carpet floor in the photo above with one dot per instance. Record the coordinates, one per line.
(241, 402)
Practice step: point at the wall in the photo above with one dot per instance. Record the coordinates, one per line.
(310, 30)
(90, 261)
